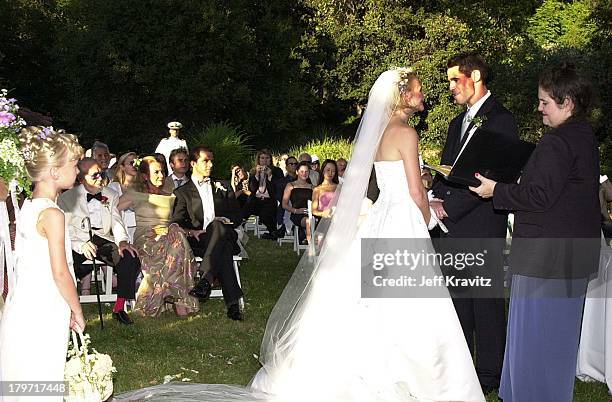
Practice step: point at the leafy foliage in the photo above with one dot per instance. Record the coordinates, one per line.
(228, 143)
(325, 148)
(118, 71)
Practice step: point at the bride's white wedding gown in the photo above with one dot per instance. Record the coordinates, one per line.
(353, 349)
(347, 348)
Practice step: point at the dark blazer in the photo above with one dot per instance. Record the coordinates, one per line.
(557, 198)
(277, 174)
(468, 214)
(188, 211)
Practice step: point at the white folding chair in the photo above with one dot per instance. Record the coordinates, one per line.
(218, 293)
(106, 284)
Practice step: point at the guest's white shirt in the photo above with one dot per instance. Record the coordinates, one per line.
(167, 145)
(208, 203)
(95, 213)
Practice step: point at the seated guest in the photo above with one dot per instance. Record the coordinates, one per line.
(179, 166)
(291, 167)
(101, 153)
(555, 244)
(125, 174)
(316, 165)
(324, 193)
(110, 242)
(207, 211)
(240, 185)
(313, 175)
(290, 175)
(262, 201)
(168, 264)
(299, 192)
(281, 163)
(341, 163)
(162, 161)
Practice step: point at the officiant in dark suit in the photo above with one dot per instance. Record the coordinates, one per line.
(468, 216)
(208, 211)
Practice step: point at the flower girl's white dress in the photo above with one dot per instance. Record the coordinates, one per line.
(35, 324)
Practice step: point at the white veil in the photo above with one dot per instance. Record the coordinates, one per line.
(280, 335)
(282, 327)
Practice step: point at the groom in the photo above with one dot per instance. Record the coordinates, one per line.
(208, 210)
(468, 216)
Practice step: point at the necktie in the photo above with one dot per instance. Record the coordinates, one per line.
(97, 196)
(178, 183)
(204, 180)
(465, 123)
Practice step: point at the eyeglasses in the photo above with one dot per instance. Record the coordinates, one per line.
(97, 175)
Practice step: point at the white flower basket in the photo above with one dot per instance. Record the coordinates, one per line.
(89, 375)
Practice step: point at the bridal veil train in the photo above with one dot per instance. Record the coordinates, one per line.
(323, 341)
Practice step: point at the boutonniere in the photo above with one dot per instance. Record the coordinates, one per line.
(219, 186)
(478, 120)
(104, 201)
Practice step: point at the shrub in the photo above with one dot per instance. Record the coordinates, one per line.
(228, 143)
(325, 148)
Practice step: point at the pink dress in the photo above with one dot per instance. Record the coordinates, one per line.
(325, 199)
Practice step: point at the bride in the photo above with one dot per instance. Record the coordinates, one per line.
(323, 341)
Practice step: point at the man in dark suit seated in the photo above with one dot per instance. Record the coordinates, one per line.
(208, 211)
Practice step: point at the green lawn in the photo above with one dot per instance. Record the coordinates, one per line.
(220, 350)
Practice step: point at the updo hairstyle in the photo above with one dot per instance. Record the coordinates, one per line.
(43, 148)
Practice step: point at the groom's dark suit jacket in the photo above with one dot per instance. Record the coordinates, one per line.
(188, 211)
(468, 214)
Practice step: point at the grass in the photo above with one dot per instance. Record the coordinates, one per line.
(221, 350)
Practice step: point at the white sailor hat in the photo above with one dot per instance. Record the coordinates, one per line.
(175, 125)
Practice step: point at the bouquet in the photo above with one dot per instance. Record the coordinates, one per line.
(89, 374)
(12, 166)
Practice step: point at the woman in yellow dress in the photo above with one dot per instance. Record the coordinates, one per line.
(167, 261)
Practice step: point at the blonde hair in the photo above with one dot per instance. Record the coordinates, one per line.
(43, 148)
(120, 173)
(405, 81)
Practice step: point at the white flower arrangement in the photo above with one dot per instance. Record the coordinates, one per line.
(89, 375)
(12, 165)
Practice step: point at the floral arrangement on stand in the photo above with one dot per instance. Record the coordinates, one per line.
(12, 166)
(89, 374)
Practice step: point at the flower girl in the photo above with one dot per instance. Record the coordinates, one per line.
(43, 303)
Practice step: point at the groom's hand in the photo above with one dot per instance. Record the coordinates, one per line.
(438, 208)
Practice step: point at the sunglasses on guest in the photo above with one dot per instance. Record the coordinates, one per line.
(98, 175)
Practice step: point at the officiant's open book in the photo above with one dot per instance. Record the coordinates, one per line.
(489, 154)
